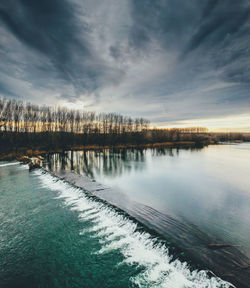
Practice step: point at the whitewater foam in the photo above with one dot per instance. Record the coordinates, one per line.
(117, 232)
(9, 164)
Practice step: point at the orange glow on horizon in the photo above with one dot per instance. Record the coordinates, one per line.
(234, 123)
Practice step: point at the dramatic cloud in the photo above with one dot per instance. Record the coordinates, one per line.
(168, 60)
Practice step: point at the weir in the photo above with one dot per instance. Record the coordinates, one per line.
(139, 247)
(183, 236)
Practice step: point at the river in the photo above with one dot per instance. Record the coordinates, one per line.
(170, 210)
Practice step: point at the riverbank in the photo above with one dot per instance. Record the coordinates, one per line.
(36, 151)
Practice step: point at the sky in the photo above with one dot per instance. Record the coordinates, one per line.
(177, 63)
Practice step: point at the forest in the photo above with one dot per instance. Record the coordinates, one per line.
(24, 125)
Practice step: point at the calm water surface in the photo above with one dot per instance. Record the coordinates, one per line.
(209, 187)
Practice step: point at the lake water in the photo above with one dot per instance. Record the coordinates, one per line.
(174, 205)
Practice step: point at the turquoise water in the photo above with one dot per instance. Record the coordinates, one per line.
(55, 235)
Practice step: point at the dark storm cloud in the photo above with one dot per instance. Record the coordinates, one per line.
(212, 30)
(40, 24)
(167, 21)
(223, 33)
(219, 21)
(209, 7)
(52, 28)
(160, 59)
(48, 27)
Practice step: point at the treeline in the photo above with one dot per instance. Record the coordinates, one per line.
(17, 116)
(177, 134)
(231, 137)
(197, 134)
(28, 126)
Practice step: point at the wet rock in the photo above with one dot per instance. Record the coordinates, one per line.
(34, 164)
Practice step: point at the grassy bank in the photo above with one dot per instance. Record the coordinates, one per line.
(36, 151)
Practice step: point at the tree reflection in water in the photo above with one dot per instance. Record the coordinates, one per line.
(109, 162)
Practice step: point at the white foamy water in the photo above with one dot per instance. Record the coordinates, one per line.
(9, 164)
(116, 232)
